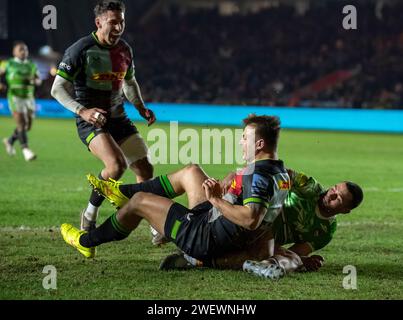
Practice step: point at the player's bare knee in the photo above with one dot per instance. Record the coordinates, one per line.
(192, 169)
(137, 200)
(117, 168)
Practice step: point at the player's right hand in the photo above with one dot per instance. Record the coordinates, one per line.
(95, 116)
(227, 182)
(313, 263)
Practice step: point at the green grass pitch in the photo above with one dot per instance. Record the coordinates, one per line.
(36, 197)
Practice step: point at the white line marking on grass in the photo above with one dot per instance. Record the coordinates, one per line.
(78, 189)
(376, 189)
(369, 223)
(26, 228)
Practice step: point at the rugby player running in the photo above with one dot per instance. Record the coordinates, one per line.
(99, 71)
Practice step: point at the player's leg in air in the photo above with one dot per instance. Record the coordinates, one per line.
(105, 148)
(187, 180)
(130, 150)
(136, 154)
(153, 207)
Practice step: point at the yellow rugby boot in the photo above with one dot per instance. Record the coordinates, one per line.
(109, 190)
(72, 236)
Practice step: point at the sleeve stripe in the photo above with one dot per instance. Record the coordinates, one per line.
(256, 200)
(64, 75)
(129, 74)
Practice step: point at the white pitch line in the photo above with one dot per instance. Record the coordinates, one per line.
(368, 223)
(78, 189)
(26, 228)
(376, 189)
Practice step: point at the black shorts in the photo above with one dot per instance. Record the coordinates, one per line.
(192, 232)
(118, 128)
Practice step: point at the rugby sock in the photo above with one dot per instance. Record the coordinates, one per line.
(161, 186)
(110, 230)
(14, 137)
(91, 213)
(22, 137)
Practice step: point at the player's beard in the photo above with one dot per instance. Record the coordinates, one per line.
(324, 203)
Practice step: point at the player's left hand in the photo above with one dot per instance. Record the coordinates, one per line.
(149, 115)
(212, 188)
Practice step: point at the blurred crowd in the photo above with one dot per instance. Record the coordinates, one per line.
(271, 58)
(266, 58)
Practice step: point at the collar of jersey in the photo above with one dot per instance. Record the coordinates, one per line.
(99, 43)
(20, 61)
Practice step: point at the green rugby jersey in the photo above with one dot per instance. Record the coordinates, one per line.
(300, 220)
(20, 76)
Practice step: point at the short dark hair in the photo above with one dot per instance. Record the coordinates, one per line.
(105, 5)
(19, 42)
(356, 192)
(267, 128)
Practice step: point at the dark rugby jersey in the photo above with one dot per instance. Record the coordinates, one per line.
(97, 72)
(265, 182)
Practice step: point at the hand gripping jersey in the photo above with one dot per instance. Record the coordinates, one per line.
(203, 231)
(97, 72)
(265, 182)
(20, 76)
(300, 220)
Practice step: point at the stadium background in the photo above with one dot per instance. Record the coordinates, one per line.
(208, 63)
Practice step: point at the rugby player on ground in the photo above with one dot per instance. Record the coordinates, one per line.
(306, 223)
(215, 224)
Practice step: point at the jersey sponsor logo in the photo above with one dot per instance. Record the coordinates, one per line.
(109, 76)
(284, 185)
(64, 66)
(236, 186)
